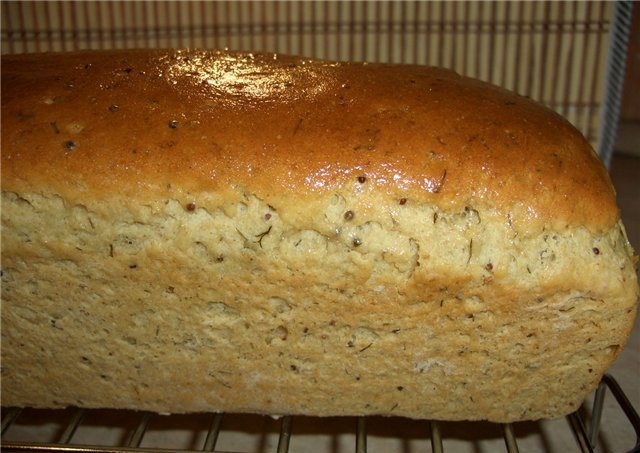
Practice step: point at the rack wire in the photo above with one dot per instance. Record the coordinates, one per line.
(586, 430)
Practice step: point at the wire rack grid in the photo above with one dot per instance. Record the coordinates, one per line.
(585, 430)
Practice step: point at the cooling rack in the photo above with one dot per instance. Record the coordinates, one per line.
(585, 429)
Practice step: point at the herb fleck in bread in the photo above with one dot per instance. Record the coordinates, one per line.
(204, 231)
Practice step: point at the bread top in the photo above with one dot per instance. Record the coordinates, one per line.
(147, 125)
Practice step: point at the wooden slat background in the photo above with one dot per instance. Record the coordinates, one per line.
(554, 52)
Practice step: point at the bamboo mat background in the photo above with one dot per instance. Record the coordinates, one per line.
(555, 52)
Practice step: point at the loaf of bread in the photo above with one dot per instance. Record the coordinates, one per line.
(188, 231)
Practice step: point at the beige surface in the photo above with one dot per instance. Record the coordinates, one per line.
(414, 240)
(625, 172)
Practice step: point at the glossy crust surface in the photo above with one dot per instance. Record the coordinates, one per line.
(202, 121)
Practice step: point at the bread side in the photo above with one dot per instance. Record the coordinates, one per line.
(348, 293)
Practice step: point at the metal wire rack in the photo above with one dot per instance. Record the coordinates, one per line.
(585, 430)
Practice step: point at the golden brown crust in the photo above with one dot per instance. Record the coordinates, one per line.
(280, 126)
